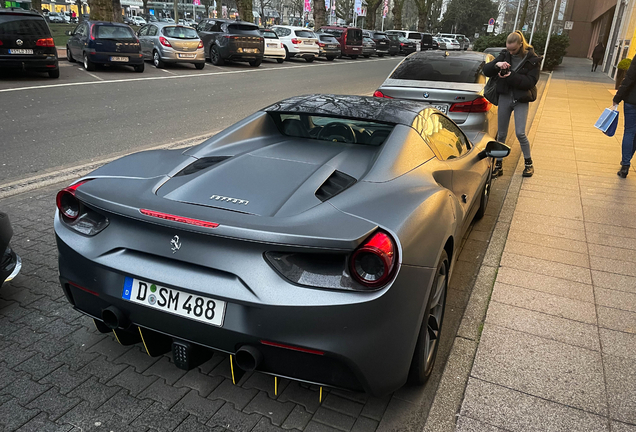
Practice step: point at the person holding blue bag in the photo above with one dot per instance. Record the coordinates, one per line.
(627, 94)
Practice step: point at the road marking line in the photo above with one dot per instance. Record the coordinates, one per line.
(167, 71)
(93, 75)
(199, 75)
(66, 174)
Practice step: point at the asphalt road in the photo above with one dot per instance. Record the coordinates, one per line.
(85, 116)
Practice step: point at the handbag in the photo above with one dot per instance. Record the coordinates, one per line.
(607, 122)
(490, 91)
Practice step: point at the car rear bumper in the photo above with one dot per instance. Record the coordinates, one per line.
(28, 62)
(365, 343)
(329, 52)
(304, 52)
(169, 55)
(352, 50)
(105, 58)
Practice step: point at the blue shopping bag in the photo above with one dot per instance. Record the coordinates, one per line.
(607, 122)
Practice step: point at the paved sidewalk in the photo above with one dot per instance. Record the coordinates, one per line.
(557, 351)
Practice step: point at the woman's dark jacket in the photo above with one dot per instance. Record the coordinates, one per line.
(627, 91)
(522, 82)
(598, 53)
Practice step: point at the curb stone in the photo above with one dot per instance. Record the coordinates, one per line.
(450, 392)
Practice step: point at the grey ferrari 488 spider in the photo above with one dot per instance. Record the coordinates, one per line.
(313, 240)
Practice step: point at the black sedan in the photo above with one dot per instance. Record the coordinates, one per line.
(10, 262)
(407, 46)
(229, 40)
(382, 43)
(104, 43)
(26, 42)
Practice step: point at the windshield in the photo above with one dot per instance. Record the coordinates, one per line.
(405, 40)
(20, 25)
(333, 129)
(113, 32)
(380, 36)
(445, 69)
(415, 36)
(179, 32)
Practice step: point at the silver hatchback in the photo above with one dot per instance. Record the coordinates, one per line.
(164, 43)
(452, 82)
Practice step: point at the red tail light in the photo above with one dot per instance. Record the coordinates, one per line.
(179, 219)
(0, 43)
(67, 203)
(48, 42)
(295, 41)
(401, 44)
(373, 263)
(378, 93)
(163, 41)
(321, 45)
(230, 37)
(200, 45)
(479, 105)
(293, 348)
(91, 32)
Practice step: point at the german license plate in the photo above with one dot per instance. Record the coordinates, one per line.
(119, 59)
(271, 45)
(309, 42)
(250, 50)
(194, 307)
(187, 55)
(442, 107)
(20, 51)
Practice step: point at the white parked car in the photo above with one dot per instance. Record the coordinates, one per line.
(298, 42)
(274, 48)
(137, 20)
(452, 44)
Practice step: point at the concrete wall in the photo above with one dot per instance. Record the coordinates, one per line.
(584, 13)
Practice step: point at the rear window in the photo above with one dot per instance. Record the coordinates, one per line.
(242, 28)
(336, 33)
(380, 36)
(415, 36)
(20, 25)
(268, 34)
(328, 39)
(113, 32)
(304, 34)
(335, 129)
(178, 32)
(445, 69)
(354, 37)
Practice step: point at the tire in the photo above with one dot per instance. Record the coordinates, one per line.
(199, 65)
(215, 56)
(380, 55)
(310, 59)
(88, 65)
(354, 57)
(139, 68)
(393, 55)
(366, 56)
(330, 58)
(287, 56)
(256, 63)
(280, 60)
(156, 60)
(485, 195)
(54, 73)
(69, 55)
(431, 329)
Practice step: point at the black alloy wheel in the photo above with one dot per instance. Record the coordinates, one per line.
(280, 60)
(485, 196)
(429, 338)
(88, 65)
(215, 56)
(199, 66)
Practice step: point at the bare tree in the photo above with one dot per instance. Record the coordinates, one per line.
(344, 10)
(372, 9)
(36, 5)
(423, 9)
(244, 8)
(101, 10)
(397, 14)
(320, 13)
(117, 15)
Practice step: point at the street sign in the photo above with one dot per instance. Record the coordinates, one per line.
(568, 25)
(491, 22)
(524, 28)
(476, 35)
(491, 28)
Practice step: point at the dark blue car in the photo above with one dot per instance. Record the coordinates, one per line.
(100, 42)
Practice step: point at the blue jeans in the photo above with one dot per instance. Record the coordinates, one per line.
(629, 137)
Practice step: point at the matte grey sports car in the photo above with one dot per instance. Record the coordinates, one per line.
(313, 240)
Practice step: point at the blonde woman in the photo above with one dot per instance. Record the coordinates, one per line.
(517, 70)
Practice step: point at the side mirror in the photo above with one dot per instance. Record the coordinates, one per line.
(69, 33)
(495, 149)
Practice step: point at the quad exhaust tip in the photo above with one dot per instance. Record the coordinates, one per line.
(114, 318)
(248, 358)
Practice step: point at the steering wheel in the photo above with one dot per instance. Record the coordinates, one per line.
(337, 132)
